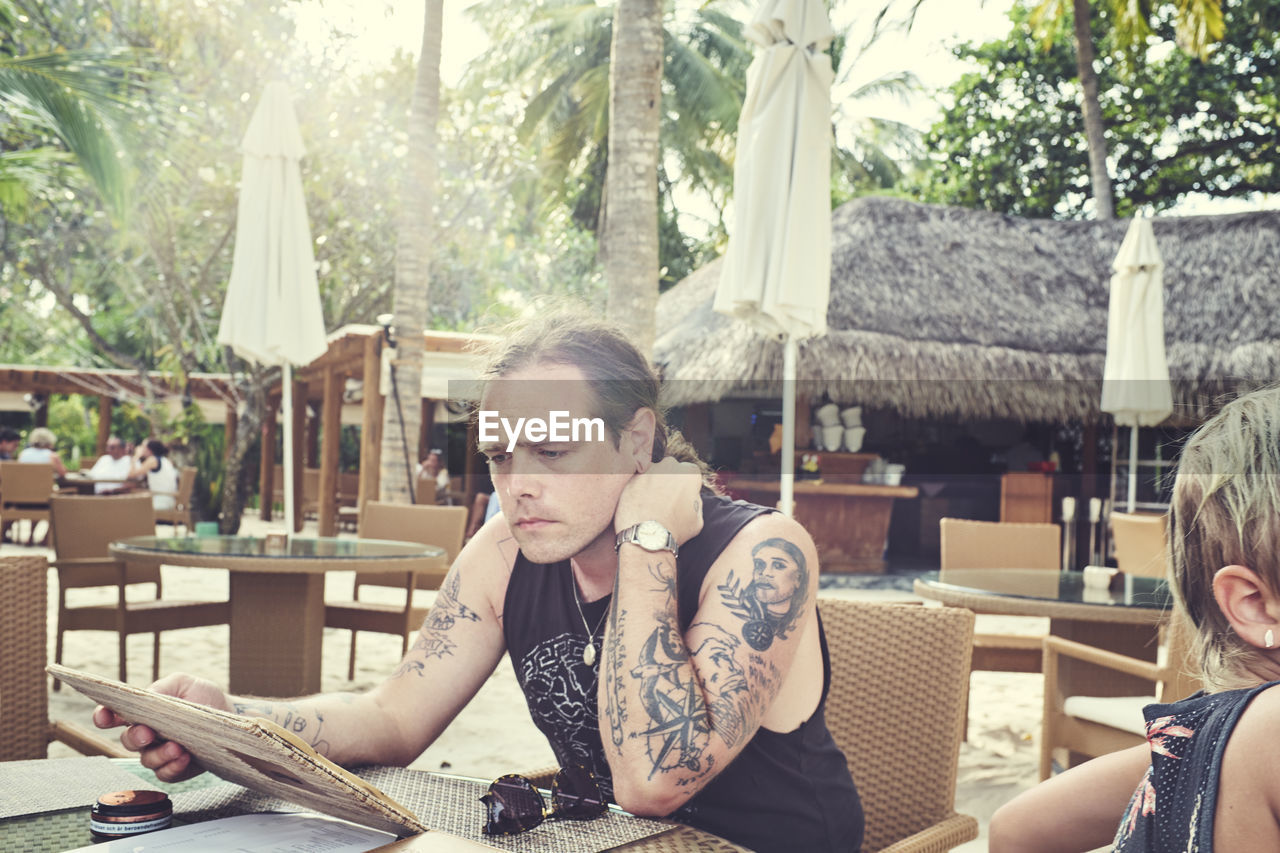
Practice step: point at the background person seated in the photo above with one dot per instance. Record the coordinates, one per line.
(151, 460)
(40, 444)
(433, 478)
(9, 441)
(115, 466)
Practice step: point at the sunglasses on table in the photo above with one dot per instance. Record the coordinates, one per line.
(515, 805)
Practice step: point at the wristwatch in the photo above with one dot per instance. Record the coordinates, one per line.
(649, 535)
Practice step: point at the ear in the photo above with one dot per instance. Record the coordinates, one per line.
(637, 439)
(1248, 605)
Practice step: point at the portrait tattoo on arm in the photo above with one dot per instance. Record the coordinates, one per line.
(434, 640)
(771, 604)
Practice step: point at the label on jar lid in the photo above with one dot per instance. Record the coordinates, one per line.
(122, 813)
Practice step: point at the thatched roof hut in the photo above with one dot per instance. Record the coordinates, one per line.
(946, 312)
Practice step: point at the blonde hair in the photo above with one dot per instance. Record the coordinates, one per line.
(619, 376)
(42, 437)
(1226, 511)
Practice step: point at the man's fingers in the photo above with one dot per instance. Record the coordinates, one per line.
(138, 738)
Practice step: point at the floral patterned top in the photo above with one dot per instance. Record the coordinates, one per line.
(1173, 808)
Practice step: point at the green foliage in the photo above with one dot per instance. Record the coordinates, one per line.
(1012, 138)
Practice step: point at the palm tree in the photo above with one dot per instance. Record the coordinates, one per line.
(1199, 25)
(630, 237)
(402, 415)
(78, 97)
(557, 56)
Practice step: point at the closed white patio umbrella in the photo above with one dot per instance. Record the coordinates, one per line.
(272, 310)
(777, 269)
(1135, 376)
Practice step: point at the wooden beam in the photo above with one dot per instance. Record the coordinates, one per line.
(299, 425)
(331, 424)
(104, 422)
(267, 463)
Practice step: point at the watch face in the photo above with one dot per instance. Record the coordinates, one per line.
(651, 536)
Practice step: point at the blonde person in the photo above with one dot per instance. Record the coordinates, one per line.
(40, 448)
(1206, 779)
(665, 637)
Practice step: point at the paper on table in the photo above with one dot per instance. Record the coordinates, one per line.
(262, 833)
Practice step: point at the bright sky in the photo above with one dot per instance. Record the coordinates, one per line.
(378, 27)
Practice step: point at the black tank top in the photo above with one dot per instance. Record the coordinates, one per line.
(784, 792)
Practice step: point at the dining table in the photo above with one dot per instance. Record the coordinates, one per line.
(44, 805)
(1123, 618)
(277, 594)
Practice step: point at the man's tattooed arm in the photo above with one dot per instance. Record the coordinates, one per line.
(436, 638)
(677, 707)
(304, 720)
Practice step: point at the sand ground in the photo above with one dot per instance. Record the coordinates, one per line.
(494, 735)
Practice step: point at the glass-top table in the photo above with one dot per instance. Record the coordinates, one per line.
(1059, 595)
(277, 594)
(1124, 620)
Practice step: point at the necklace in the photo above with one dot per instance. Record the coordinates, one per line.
(588, 653)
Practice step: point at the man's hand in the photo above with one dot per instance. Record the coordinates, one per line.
(667, 493)
(170, 761)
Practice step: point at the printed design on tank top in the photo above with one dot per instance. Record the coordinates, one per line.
(561, 692)
(1160, 734)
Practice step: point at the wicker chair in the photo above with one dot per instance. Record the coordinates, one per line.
(1140, 544)
(1095, 725)
(83, 529)
(182, 511)
(24, 494)
(968, 544)
(25, 728)
(431, 525)
(899, 680)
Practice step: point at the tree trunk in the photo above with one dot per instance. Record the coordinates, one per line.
(1095, 133)
(629, 241)
(249, 416)
(402, 414)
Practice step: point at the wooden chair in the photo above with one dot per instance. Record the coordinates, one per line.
(968, 544)
(431, 525)
(899, 683)
(25, 728)
(182, 512)
(25, 488)
(1140, 543)
(1096, 725)
(83, 528)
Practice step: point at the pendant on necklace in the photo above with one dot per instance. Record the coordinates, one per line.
(589, 654)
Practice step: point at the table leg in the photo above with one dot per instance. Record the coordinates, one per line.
(277, 626)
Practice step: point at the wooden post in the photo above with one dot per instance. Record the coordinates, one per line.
(267, 462)
(371, 424)
(104, 422)
(331, 441)
(313, 432)
(424, 437)
(299, 392)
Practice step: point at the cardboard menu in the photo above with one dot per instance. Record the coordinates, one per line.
(251, 751)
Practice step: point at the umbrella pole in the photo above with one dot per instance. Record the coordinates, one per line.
(286, 393)
(1133, 465)
(786, 490)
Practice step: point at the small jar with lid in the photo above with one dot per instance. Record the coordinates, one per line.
(121, 814)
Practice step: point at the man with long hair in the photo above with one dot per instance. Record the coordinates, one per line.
(665, 637)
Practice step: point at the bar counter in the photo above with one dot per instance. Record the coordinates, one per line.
(849, 522)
